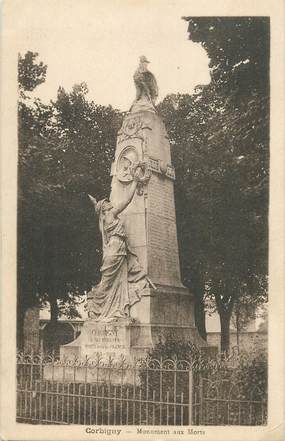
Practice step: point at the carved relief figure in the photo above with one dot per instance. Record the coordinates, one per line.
(123, 279)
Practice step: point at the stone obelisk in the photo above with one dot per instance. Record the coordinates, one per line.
(150, 220)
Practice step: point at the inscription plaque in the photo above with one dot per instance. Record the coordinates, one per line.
(161, 197)
(108, 339)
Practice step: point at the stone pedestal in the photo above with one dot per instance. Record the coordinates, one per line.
(89, 358)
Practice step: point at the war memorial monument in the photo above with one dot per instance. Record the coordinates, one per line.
(140, 298)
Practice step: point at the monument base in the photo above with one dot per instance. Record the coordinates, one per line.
(90, 357)
(167, 312)
(101, 346)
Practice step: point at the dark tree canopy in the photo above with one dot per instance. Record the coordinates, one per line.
(65, 152)
(220, 147)
(239, 50)
(30, 72)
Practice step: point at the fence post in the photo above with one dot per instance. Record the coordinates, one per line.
(190, 397)
(40, 393)
(200, 399)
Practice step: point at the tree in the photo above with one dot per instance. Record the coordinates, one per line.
(30, 73)
(87, 135)
(239, 49)
(220, 149)
(239, 53)
(247, 307)
(60, 145)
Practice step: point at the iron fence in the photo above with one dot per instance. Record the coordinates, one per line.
(148, 392)
(225, 402)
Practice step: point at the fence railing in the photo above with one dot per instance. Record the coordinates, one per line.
(148, 392)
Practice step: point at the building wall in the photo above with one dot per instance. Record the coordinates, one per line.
(247, 340)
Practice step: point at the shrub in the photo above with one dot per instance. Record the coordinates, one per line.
(246, 370)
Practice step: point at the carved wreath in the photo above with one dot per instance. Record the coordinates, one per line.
(143, 177)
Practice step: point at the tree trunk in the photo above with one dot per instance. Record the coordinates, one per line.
(200, 320)
(20, 325)
(53, 309)
(225, 305)
(52, 331)
(238, 326)
(198, 288)
(225, 317)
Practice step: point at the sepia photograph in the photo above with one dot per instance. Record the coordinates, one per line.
(142, 234)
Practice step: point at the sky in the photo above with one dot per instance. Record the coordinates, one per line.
(99, 42)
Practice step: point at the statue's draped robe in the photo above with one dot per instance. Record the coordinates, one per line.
(123, 279)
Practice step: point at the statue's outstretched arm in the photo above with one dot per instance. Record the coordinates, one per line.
(123, 204)
(136, 177)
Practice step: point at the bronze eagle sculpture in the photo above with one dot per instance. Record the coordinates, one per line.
(145, 82)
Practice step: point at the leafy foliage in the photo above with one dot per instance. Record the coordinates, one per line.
(65, 152)
(238, 48)
(30, 73)
(220, 148)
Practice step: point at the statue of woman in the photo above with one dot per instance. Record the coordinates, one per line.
(123, 280)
